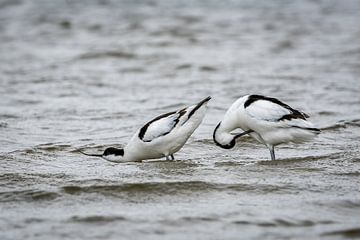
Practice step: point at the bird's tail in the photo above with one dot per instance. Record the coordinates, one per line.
(198, 106)
(303, 134)
(191, 111)
(303, 130)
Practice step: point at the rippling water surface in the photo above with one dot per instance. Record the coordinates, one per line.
(87, 75)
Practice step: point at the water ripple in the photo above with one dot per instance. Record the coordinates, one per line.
(27, 195)
(349, 233)
(96, 219)
(107, 54)
(283, 223)
(173, 188)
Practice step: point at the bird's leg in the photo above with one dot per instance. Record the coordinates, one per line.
(172, 157)
(167, 157)
(272, 152)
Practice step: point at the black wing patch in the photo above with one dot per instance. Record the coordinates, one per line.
(146, 126)
(294, 114)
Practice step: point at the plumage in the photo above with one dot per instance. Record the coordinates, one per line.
(161, 137)
(160, 126)
(266, 119)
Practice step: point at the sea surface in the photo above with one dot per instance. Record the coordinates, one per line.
(87, 74)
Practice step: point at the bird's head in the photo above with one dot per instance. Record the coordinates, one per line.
(113, 154)
(114, 151)
(222, 138)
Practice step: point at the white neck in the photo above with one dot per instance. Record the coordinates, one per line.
(222, 136)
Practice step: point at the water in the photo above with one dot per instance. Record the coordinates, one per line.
(76, 75)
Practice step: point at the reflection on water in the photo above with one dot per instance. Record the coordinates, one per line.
(86, 76)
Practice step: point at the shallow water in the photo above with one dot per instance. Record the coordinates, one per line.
(77, 75)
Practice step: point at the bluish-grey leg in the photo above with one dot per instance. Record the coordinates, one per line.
(272, 152)
(172, 157)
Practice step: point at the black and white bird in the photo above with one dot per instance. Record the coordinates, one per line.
(161, 137)
(266, 119)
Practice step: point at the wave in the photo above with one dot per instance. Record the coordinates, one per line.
(7, 116)
(349, 174)
(147, 188)
(108, 54)
(351, 204)
(50, 147)
(327, 113)
(208, 68)
(283, 223)
(27, 195)
(173, 188)
(184, 66)
(349, 233)
(96, 219)
(302, 159)
(138, 190)
(342, 124)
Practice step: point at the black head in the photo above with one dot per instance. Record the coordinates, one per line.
(230, 145)
(227, 146)
(114, 151)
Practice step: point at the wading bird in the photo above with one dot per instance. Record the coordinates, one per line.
(266, 119)
(161, 137)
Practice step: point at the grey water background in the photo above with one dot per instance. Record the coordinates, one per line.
(87, 74)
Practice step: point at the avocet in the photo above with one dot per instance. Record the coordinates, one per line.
(266, 119)
(161, 137)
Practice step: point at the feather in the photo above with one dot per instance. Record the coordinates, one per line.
(271, 109)
(160, 126)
